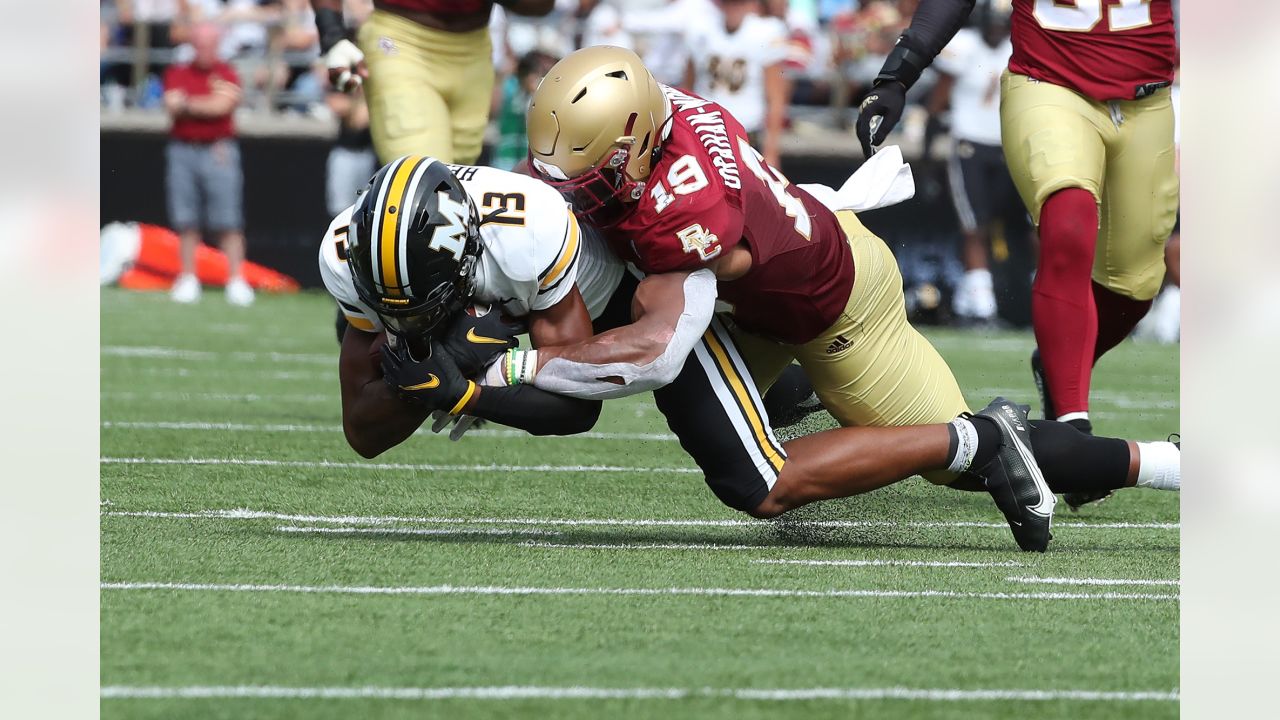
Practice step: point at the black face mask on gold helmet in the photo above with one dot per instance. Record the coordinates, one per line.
(413, 246)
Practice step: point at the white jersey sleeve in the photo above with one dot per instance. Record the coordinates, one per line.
(531, 240)
(336, 273)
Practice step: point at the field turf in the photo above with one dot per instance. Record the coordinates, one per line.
(254, 566)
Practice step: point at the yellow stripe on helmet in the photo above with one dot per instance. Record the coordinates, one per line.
(392, 210)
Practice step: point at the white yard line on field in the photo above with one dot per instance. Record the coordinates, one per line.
(1091, 581)
(330, 464)
(202, 426)
(214, 371)
(894, 563)
(413, 531)
(221, 397)
(642, 546)
(578, 692)
(169, 353)
(249, 514)
(651, 591)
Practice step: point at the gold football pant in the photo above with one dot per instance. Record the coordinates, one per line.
(871, 367)
(428, 90)
(1120, 151)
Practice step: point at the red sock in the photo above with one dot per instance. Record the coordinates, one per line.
(1062, 308)
(1117, 316)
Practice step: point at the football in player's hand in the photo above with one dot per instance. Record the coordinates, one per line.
(479, 335)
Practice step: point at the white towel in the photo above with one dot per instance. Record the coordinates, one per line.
(883, 180)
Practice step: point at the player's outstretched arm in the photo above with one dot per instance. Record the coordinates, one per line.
(934, 24)
(474, 340)
(670, 312)
(374, 419)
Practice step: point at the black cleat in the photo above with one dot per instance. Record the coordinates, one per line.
(791, 399)
(1077, 499)
(1046, 402)
(1042, 386)
(1014, 479)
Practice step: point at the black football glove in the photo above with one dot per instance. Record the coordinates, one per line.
(434, 383)
(480, 335)
(880, 111)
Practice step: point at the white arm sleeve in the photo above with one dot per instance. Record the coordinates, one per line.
(585, 380)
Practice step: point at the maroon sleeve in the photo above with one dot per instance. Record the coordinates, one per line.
(689, 235)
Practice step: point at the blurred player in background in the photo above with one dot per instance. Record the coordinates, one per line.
(738, 62)
(427, 70)
(204, 182)
(981, 188)
(1087, 126)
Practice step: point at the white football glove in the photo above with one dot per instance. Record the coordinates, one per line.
(346, 66)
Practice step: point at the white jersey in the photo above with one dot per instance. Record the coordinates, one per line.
(729, 66)
(975, 97)
(534, 251)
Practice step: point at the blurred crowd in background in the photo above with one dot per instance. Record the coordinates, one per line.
(781, 66)
(834, 47)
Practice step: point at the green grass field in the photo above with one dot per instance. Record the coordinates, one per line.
(254, 566)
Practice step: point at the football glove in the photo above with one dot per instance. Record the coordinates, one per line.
(479, 335)
(880, 111)
(347, 70)
(435, 383)
(458, 424)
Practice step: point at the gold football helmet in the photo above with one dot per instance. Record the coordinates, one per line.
(594, 124)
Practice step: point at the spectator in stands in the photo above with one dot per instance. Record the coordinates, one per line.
(512, 150)
(981, 188)
(660, 33)
(204, 183)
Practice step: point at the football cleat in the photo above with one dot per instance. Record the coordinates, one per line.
(1014, 479)
(1042, 386)
(1077, 499)
(1046, 402)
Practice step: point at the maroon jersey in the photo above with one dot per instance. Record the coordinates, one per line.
(1105, 49)
(196, 82)
(443, 7)
(711, 192)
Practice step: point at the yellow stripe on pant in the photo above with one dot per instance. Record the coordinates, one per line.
(428, 90)
(745, 402)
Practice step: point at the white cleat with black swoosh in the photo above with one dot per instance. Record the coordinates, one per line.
(1014, 479)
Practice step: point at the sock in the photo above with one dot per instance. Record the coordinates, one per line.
(1062, 306)
(1075, 462)
(1117, 317)
(1160, 466)
(974, 441)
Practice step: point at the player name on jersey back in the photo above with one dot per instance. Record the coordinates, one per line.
(1105, 49)
(710, 192)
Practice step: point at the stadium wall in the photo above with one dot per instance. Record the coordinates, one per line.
(284, 205)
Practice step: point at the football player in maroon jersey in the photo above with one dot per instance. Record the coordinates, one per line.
(1087, 128)
(428, 70)
(676, 189)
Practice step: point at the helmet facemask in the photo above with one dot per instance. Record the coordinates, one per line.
(435, 285)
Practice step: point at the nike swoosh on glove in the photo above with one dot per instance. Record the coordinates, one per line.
(435, 382)
(480, 334)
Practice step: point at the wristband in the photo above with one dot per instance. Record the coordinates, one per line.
(331, 26)
(466, 396)
(903, 65)
(520, 366)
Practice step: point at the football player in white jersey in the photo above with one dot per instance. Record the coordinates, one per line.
(737, 62)
(421, 244)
